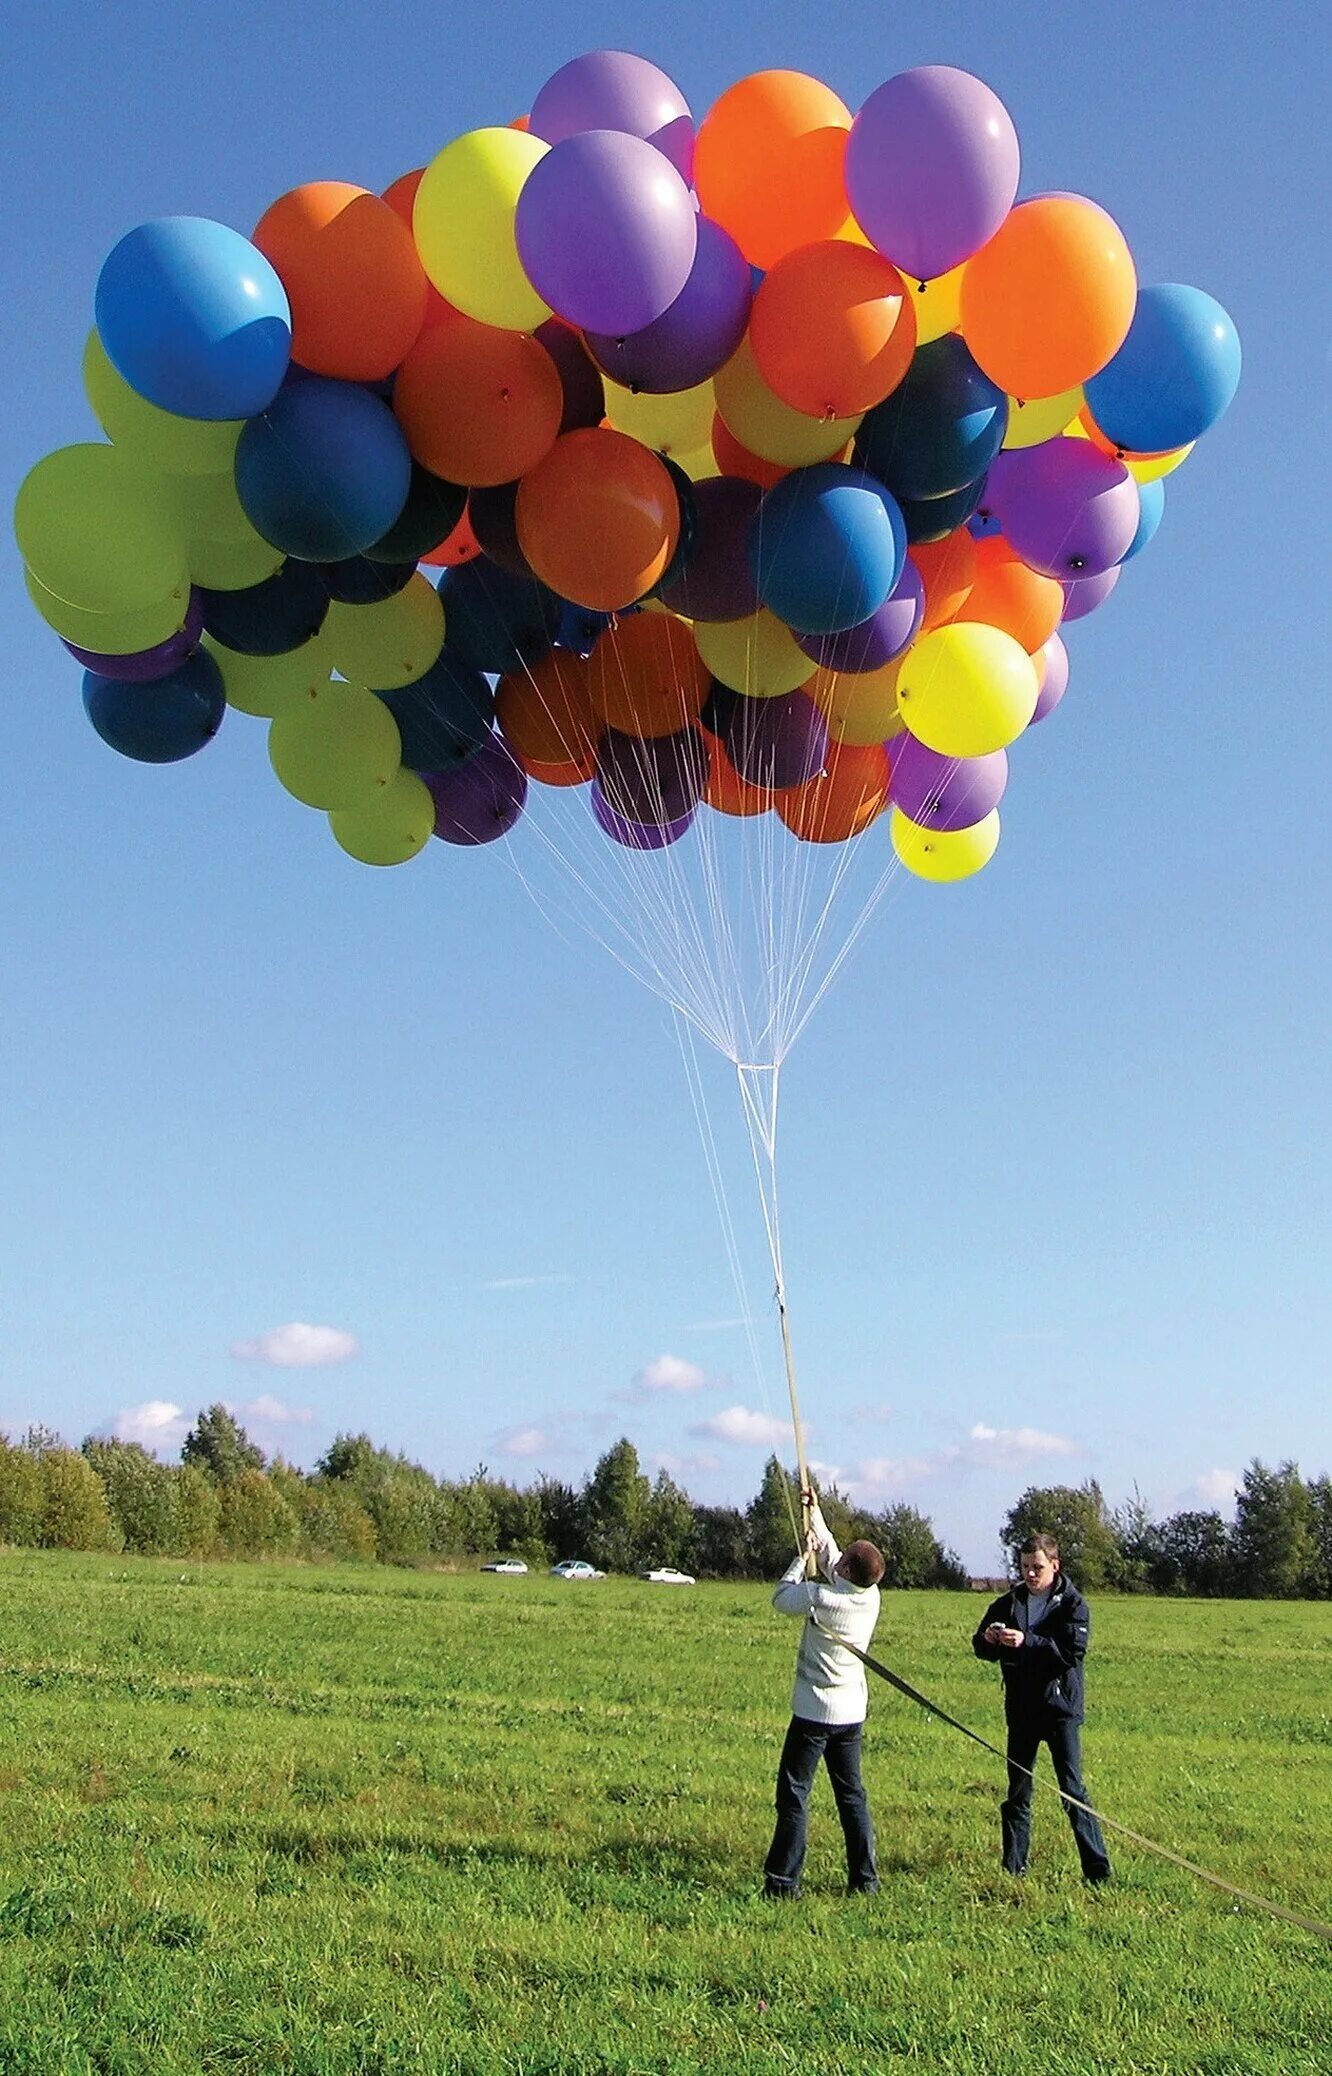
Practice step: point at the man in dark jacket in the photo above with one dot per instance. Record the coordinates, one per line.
(1038, 1633)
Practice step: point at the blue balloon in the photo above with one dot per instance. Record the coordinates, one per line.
(194, 318)
(325, 472)
(359, 581)
(162, 722)
(1151, 509)
(826, 547)
(268, 619)
(581, 628)
(432, 510)
(941, 427)
(442, 716)
(1174, 374)
(934, 518)
(495, 621)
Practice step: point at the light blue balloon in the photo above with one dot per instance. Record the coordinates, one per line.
(1151, 510)
(826, 547)
(1174, 374)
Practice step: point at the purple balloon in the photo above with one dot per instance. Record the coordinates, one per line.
(944, 792)
(1067, 509)
(491, 513)
(1082, 595)
(606, 231)
(655, 778)
(1054, 682)
(580, 377)
(877, 640)
(482, 797)
(614, 90)
(716, 582)
(931, 168)
(778, 742)
(637, 836)
(698, 334)
(145, 666)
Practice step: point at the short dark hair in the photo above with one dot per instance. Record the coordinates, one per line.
(863, 1564)
(1046, 1544)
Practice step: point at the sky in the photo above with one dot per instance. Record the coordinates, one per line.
(353, 1150)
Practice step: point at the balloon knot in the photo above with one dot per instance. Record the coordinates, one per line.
(506, 396)
(1077, 562)
(921, 287)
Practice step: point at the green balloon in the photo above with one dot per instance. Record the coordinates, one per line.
(270, 685)
(234, 565)
(97, 531)
(336, 748)
(392, 642)
(179, 446)
(392, 828)
(111, 634)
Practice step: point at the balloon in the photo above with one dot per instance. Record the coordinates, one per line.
(1082, 595)
(948, 571)
(442, 716)
(646, 676)
(672, 424)
(390, 828)
(92, 530)
(937, 304)
(1150, 468)
(356, 288)
(653, 779)
(335, 748)
(731, 459)
(1006, 593)
(1053, 665)
(1151, 511)
(598, 518)
(727, 792)
(269, 618)
(686, 535)
(945, 792)
(478, 405)
(145, 666)
(580, 377)
(433, 509)
(931, 519)
(637, 836)
(547, 713)
(481, 799)
(757, 655)
(580, 629)
(1174, 374)
(492, 513)
(861, 706)
(232, 562)
(717, 583)
(194, 318)
(826, 548)
(575, 774)
(767, 426)
(265, 685)
(697, 333)
(614, 90)
(606, 231)
(966, 689)
(496, 622)
(941, 427)
(162, 722)
(768, 163)
(158, 439)
(1068, 509)
(392, 642)
(1040, 418)
(325, 472)
(1050, 299)
(109, 634)
(843, 799)
(833, 329)
(944, 854)
(776, 743)
(457, 548)
(359, 581)
(931, 168)
(877, 640)
(463, 223)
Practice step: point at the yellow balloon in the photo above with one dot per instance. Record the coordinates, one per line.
(392, 827)
(389, 643)
(966, 689)
(335, 748)
(268, 685)
(861, 706)
(233, 562)
(1032, 421)
(937, 304)
(768, 427)
(701, 464)
(678, 424)
(225, 552)
(944, 854)
(110, 634)
(96, 531)
(463, 223)
(1150, 468)
(182, 446)
(758, 655)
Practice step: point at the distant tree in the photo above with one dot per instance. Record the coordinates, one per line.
(773, 1541)
(1139, 1539)
(1080, 1522)
(1275, 1544)
(411, 1514)
(20, 1496)
(198, 1511)
(721, 1544)
(333, 1523)
(348, 1456)
(1193, 1555)
(558, 1504)
(614, 1510)
(913, 1556)
(1320, 1500)
(840, 1515)
(141, 1494)
(518, 1524)
(479, 1514)
(670, 1536)
(75, 1515)
(255, 1518)
(218, 1444)
(951, 1574)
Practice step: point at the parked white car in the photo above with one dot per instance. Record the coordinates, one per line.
(575, 1568)
(508, 1567)
(667, 1575)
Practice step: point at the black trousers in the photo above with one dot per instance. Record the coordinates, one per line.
(838, 1745)
(1026, 1735)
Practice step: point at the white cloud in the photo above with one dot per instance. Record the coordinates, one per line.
(999, 1445)
(299, 1347)
(665, 1375)
(1215, 1488)
(697, 1463)
(751, 1430)
(156, 1424)
(525, 1440)
(523, 1282)
(276, 1413)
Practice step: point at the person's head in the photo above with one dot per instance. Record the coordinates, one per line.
(861, 1564)
(1038, 1561)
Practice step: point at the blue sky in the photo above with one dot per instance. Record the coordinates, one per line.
(1055, 1148)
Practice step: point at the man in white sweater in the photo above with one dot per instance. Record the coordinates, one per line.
(828, 1706)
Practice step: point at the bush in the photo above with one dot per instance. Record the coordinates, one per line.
(333, 1522)
(198, 1512)
(141, 1494)
(255, 1519)
(20, 1496)
(75, 1515)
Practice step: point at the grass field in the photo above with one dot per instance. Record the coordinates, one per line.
(360, 1820)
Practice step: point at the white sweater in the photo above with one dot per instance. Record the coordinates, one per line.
(830, 1685)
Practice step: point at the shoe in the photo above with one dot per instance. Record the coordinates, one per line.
(863, 1888)
(1096, 1881)
(781, 1892)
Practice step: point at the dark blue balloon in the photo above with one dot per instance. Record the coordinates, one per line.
(268, 619)
(161, 722)
(1151, 511)
(495, 621)
(442, 716)
(934, 518)
(581, 628)
(433, 508)
(687, 538)
(720, 708)
(359, 581)
(941, 427)
(325, 471)
(1174, 374)
(826, 547)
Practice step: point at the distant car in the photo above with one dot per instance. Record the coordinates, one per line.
(575, 1568)
(667, 1575)
(509, 1567)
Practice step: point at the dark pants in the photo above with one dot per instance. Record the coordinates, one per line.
(838, 1745)
(1025, 1737)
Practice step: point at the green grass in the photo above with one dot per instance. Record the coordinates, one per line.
(258, 1818)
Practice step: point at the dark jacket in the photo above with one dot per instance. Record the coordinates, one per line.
(1043, 1677)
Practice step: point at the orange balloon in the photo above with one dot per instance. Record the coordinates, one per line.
(768, 163)
(833, 329)
(598, 517)
(456, 548)
(1009, 595)
(948, 570)
(349, 265)
(479, 405)
(575, 774)
(734, 460)
(1050, 299)
(845, 797)
(726, 790)
(400, 194)
(548, 713)
(647, 677)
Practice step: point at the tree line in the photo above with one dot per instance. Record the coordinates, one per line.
(224, 1498)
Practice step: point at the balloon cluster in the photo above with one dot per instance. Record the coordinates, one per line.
(757, 464)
